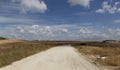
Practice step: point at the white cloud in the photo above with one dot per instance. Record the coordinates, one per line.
(109, 8)
(41, 32)
(53, 32)
(58, 32)
(84, 3)
(100, 11)
(117, 3)
(33, 6)
(114, 33)
(91, 33)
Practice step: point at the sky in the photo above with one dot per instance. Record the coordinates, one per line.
(60, 19)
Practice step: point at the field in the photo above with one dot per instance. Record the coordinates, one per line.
(94, 50)
(105, 56)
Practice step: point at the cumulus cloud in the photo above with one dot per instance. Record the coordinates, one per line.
(84, 3)
(53, 32)
(114, 33)
(90, 33)
(109, 8)
(40, 32)
(58, 32)
(33, 5)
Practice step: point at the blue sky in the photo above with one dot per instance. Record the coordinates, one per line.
(60, 19)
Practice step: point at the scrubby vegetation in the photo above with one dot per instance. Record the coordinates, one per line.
(2, 38)
(112, 54)
(16, 51)
(13, 52)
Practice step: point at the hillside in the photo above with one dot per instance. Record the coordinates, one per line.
(7, 41)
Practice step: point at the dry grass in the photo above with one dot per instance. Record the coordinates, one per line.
(111, 60)
(7, 41)
(13, 52)
(112, 54)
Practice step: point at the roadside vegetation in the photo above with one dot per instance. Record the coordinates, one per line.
(93, 49)
(16, 51)
(103, 55)
(2, 38)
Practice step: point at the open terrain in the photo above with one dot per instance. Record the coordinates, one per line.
(57, 58)
(100, 53)
(8, 41)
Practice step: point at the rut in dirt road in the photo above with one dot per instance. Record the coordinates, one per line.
(57, 58)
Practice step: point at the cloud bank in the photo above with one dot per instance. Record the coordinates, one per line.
(58, 32)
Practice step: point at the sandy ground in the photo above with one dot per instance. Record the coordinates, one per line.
(10, 41)
(58, 58)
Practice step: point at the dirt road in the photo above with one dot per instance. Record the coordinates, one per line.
(58, 58)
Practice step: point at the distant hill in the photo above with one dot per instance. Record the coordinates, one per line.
(8, 41)
(111, 41)
(2, 38)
